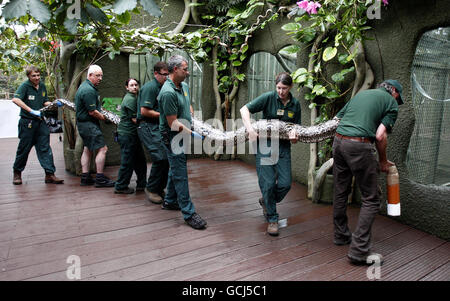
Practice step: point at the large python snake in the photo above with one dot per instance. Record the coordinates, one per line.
(265, 128)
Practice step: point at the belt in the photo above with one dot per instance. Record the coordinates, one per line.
(359, 139)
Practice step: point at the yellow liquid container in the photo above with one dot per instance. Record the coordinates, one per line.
(393, 192)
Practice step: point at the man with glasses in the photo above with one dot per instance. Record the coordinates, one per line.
(149, 134)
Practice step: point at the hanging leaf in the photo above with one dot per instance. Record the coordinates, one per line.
(122, 6)
(39, 11)
(329, 53)
(14, 9)
(291, 27)
(71, 25)
(96, 13)
(291, 49)
(300, 75)
(151, 7)
(124, 18)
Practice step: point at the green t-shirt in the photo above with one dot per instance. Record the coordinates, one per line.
(173, 101)
(272, 108)
(127, 112)
(148, 98)
(32, 97)
(362, 115)
(87, 99)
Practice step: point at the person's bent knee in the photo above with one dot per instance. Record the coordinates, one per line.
(103, 149)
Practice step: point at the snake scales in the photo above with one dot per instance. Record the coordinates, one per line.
(265, 128)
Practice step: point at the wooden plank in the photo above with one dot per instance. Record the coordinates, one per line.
(423, 265)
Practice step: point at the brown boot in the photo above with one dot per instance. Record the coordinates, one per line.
(17, 180)
(272, 229)
(51, 178)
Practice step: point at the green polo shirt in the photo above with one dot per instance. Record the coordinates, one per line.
(173, 101)
(272, 108)
(87, 99)
(32, 97)
(127, 112)
(362, 115)
(148, 97)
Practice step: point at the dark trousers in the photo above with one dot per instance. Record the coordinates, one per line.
(274, 177)
(34, 133)
(358, 159)
(150, 137)
(132, 158)
(178, 185)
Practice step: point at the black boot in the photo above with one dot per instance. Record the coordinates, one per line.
(86, 179)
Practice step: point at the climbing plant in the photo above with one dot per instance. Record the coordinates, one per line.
(334, 32)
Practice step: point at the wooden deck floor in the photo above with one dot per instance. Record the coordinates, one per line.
(121, 237)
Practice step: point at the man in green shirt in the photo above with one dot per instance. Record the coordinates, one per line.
(87, 103)
(149, 134)
(365, 120)
(175, 119)
(274, 166)
(30, 97)
(132, 157)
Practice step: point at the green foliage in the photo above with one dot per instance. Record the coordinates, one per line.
(112, 104)
(343, 22)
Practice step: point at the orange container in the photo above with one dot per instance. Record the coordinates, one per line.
(393, 192)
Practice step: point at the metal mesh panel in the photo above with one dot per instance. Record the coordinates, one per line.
(428, 157)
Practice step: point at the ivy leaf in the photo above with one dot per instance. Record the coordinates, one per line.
(337, 77)
(39, 11)
(14, 9)
(71, 25)
(240, 77)
(124, 18)
(332, 95)
(329, 53)
(122, 6)
(151, 7)
(96, 13)
(300, 75)
(291, 27)
(319, 90)
(291, 49)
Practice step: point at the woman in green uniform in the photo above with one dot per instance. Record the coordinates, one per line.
(132, 154)
(273, 167)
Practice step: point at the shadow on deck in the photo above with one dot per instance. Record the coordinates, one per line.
(124, 237)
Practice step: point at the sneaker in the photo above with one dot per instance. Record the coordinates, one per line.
(153, 197)
(17, 180)
(263, 205)
(369, 259)
(103, 181)
(196, 222)
(170, 206)
(272, 229)
(127, 190)
(140, 189)
(51, 178)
